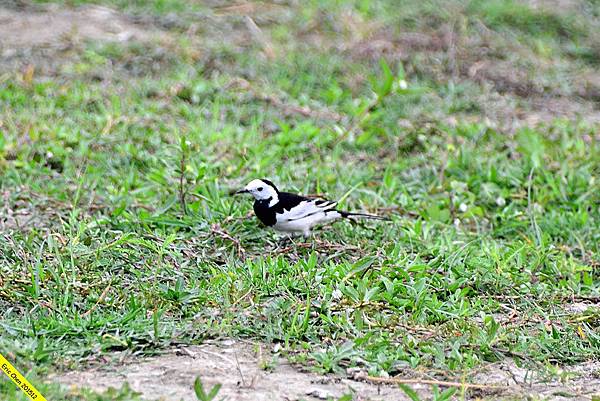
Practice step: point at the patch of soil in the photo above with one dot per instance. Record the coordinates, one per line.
(46, 37)
(234, 364)
(568, 5)
(501, 66)
(240, 367)
(580, 382)
(20, 29)
(22, 214)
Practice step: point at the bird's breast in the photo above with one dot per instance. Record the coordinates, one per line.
(264, 213)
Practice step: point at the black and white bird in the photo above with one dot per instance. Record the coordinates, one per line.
(293, 213)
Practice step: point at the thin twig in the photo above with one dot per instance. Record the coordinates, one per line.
(187, 352)
(305, 111)
(356, 120)
(242, 297)
(216, 229)
(229, 219)
(97, 302)
(322, 246)
(287, 108)
(260, 37)
(442, 172)
(239, 368)
(217, 355)
(530, 211)
(181, 179)
(396, 380)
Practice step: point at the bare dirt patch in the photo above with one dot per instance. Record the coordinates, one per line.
(48, 37)
(20, 29)
(517, 85)
(234, 364)
(241, 367)
(17, 213)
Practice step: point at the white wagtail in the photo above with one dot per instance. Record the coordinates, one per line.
(293, 213)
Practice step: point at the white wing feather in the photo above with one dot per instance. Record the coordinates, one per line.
(306, 208)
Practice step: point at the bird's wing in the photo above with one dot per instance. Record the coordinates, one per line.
(304, 208)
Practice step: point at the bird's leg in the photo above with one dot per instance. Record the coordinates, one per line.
(285, 239)
(308, 235)
(293, 241)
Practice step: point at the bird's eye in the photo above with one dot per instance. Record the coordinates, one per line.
(259, 189)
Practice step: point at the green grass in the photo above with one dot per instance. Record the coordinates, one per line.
(516, 15)
(492, 234)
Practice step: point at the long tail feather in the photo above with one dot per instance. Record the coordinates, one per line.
(362, 215)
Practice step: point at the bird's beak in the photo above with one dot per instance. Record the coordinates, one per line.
(241, 191)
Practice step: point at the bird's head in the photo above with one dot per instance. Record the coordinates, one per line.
(261, 189)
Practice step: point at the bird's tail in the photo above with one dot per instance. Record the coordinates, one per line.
(348, 215)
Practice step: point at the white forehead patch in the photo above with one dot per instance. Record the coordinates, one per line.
(261, 191)
(255, 184)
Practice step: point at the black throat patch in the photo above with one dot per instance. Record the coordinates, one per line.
(265, 213)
